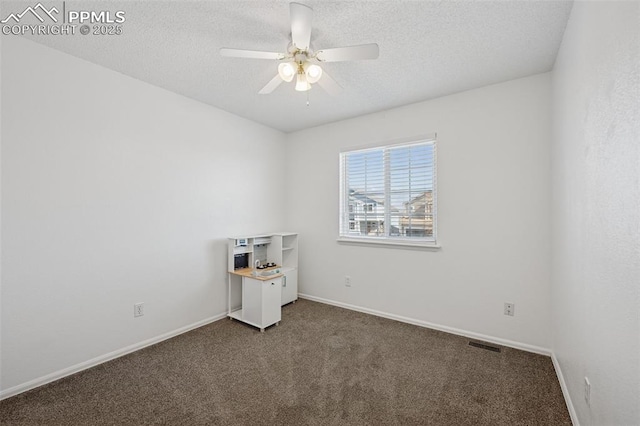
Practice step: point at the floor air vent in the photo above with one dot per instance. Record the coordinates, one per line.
(484, 346)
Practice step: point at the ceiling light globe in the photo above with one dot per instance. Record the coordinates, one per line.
(286, 71)
(314, 72)
(302, 85)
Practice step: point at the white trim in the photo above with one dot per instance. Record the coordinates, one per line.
(31, 384)
(497, 340)
(565, 391)
(427, 245)
(345, 218)
(429, 137)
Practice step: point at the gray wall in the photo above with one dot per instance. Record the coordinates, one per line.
(116, 192)
(493, 215)
(596, 211)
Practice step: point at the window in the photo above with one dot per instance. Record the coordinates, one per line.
(388, 193)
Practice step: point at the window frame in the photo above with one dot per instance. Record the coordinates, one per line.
(387, 240)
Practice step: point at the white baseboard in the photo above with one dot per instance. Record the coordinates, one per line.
(503, 342)
(565, 391)
(137, 346)
(496, 340)
(15, 390)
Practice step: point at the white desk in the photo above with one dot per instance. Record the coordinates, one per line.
(261, 299)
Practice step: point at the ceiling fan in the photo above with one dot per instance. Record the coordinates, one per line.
(300, 61)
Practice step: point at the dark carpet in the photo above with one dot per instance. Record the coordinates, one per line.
(322, 365)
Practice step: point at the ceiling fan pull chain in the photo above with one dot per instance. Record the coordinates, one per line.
(307, 97)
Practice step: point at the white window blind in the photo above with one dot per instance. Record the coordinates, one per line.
(389, 192)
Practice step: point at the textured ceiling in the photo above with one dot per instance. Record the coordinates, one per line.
(427, 49)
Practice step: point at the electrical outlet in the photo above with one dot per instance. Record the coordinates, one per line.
(138, 309)
(587, 391)
(509, 309)
(347, 281)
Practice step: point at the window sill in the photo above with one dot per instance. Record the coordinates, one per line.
(418, 245)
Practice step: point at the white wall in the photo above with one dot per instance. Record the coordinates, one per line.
(493, 214)
(596, 211)
(116, 192)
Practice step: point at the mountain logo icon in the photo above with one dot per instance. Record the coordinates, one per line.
(34, 11)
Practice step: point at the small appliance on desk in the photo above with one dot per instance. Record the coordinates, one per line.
(240, 261)
(266, 265)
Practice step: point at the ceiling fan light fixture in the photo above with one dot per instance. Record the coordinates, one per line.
(302, 85)
(286, 71)
(301, 60)
(313, 72)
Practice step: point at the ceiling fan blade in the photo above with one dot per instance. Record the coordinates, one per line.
(271, 86)
(251, 54)
(350, 53)
(301, 16)
(329, 84)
